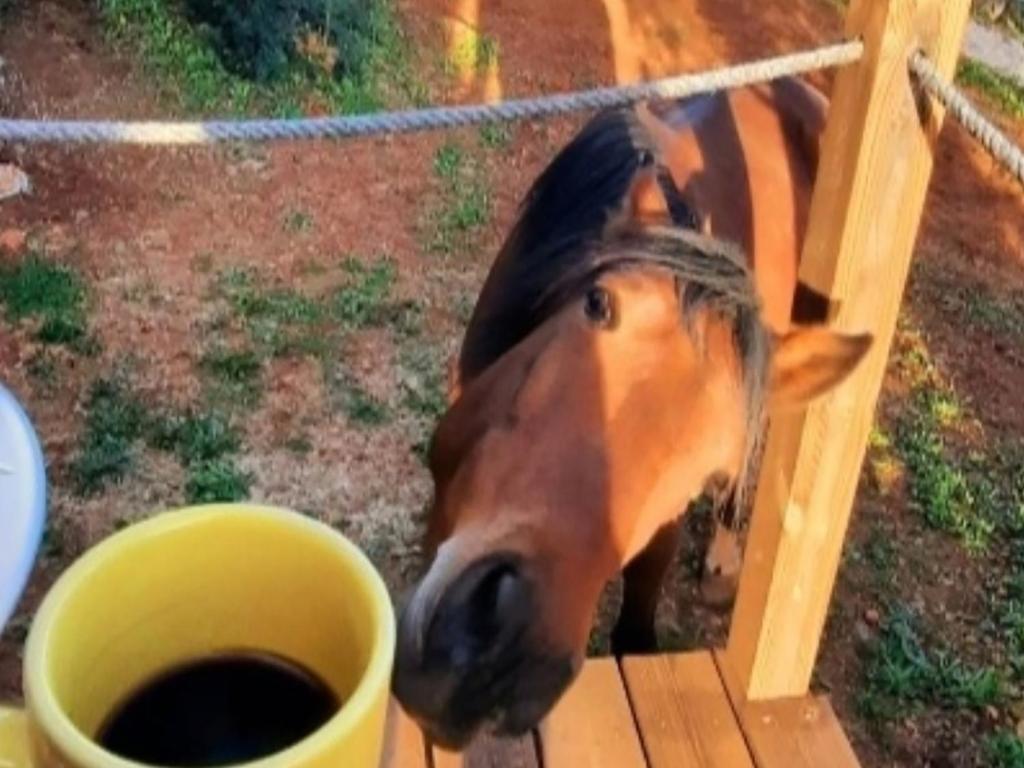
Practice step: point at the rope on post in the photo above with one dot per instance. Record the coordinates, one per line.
(39, 131)
(980, 127)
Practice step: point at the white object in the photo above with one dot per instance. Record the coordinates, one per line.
(13, 182)
(22, 501)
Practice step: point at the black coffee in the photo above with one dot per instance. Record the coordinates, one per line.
(218, 711)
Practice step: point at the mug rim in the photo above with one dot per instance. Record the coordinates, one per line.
(49, 715)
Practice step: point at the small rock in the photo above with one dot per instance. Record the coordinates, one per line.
(992, 714)
(13, 181)
(862, 632)
(872, 617)
(12, 241)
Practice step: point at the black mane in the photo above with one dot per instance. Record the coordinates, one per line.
(563, 214)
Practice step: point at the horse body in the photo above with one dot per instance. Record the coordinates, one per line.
(617, 366)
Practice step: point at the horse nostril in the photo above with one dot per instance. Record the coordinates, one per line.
(483, 611)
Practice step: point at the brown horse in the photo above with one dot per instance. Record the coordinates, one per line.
(618, 365)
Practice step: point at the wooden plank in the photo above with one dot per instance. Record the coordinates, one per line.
(404, 745)
(800, 732)
(491, 752)
(683, 713)
(872, 180)
(592, 726)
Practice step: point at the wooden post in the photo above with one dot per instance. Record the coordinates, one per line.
(874, 172)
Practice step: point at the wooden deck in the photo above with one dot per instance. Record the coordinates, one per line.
(669, 711)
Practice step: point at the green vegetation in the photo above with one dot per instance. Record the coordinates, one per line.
(278, 321)
(261, 40)
(363, 301)
(236, 374)
(955, 489)
(282, 321)
(114, 422)
(999, 316)
(496, 135)
(902, 674)
(466, 205)
(267, 55)
(362, 408)
(216, 480)
(1004, 749)
(50, 294)
(424, 391)
(940, 488)
(298, 222)
(42, 367)
(1004, 91)
(117, 422)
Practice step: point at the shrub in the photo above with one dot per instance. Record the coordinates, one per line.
(259, 39)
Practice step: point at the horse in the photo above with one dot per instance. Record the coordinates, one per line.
(631, 337)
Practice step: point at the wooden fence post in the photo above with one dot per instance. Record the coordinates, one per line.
(870, 192)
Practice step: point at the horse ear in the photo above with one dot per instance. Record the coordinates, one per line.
(809, 361)
(645, 201)
(642, 205)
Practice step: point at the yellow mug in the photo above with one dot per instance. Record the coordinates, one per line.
(193, 583)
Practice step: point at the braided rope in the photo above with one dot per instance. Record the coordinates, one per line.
(983, 130)
(432, 118)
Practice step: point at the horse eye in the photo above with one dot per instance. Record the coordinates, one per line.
(597, 305)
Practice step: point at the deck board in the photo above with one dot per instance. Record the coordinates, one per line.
(796, 733)
(683, 713)
(404, 746)
(669, 711)
(592, 726)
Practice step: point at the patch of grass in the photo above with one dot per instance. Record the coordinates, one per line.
(448, 161)
(405, 319)
(1003, 317)
(496, 135)
(950, 490)
(114, 421)
(423, 381)
(186, 60)
(299, 445)
(1004, 91)
(902, 674)
(195, 437)
(51, 294)
(279, 321)
(298, 222)
(117, 421)
(205, 444)
(216, 480)
(880, 552)
(42, 368)
(238, 373)
(939, 488)
(363, 301)
(466, 211)
(362, 408)
(466, 206)
(1004, 749)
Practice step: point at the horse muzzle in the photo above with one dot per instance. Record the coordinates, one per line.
(470, 655)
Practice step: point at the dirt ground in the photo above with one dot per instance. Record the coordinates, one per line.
(151, 230)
